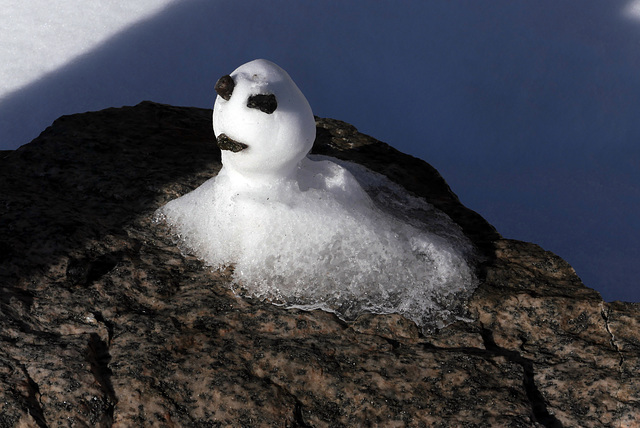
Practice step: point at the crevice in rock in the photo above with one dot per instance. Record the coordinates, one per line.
(395, 344)
(538, 404)
(86, 271)
(7, 293)
(298, 416)
(110, 326)
(33, 402)
(344, 324)
(612, 338)
(98, 357)
(539, 409)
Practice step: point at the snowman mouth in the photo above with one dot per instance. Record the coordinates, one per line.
(226, 143)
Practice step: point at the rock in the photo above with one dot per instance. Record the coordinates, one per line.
(103, 322)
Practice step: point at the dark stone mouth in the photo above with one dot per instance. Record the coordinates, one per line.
(226, 143)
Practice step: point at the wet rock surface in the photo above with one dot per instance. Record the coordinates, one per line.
(103, 322)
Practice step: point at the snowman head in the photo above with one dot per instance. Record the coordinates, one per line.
(262, 122)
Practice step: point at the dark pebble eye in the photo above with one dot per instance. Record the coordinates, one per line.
(224, 87)
(266, 103)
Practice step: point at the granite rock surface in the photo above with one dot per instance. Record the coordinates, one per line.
(103, 322)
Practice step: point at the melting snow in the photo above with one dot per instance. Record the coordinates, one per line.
(315, 232)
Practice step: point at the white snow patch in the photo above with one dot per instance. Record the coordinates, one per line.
(632, 9)
(40, 36)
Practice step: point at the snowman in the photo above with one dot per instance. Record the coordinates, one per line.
(304, 233)
(265, 138)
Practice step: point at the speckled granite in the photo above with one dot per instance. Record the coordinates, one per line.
(103, 322)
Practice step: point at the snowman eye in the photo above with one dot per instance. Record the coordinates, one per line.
(266, 103)
(224, 87)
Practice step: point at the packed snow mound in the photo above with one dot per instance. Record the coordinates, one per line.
(307, 233)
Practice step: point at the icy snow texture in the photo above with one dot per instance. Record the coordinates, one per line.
(304, 233)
